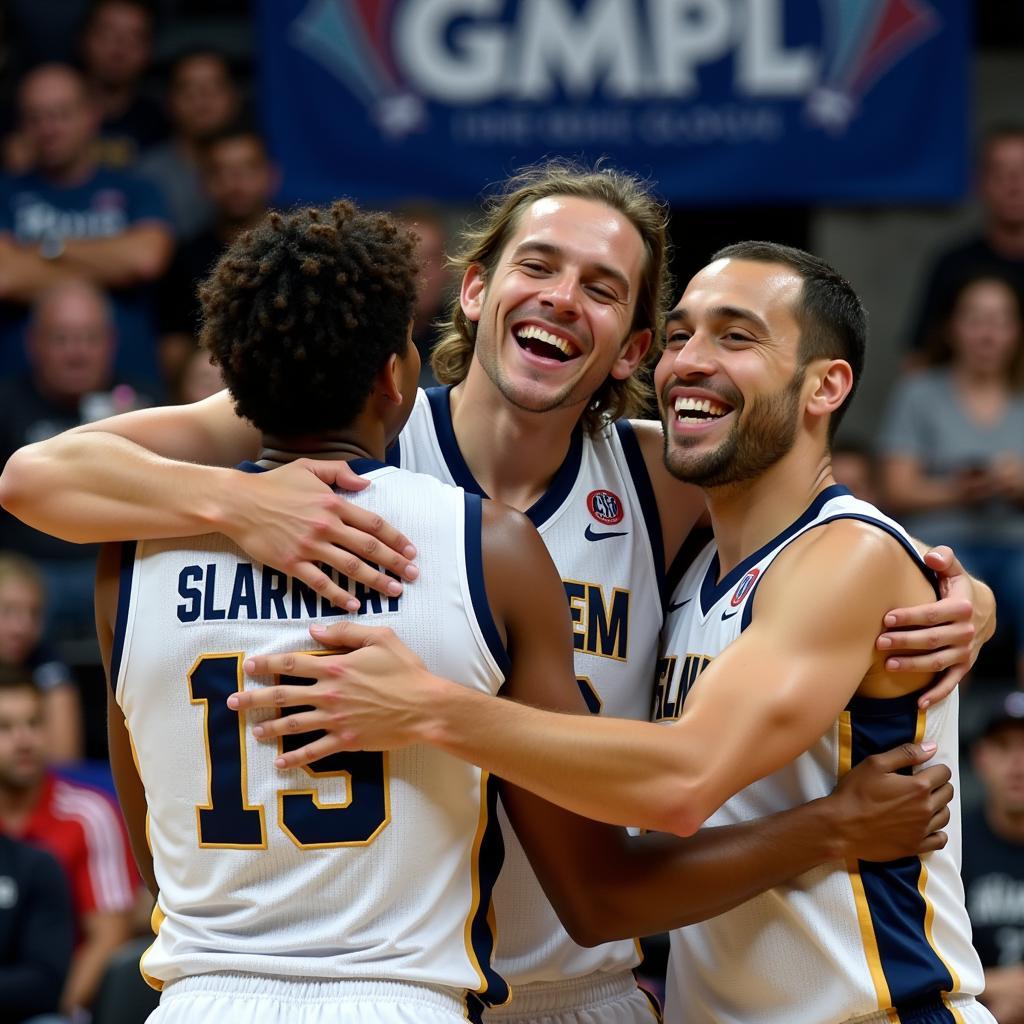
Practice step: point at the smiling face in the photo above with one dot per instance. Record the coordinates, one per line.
(731, 383)
(554, 317)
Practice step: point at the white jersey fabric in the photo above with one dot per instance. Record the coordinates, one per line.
(841, 941)
(364, 865)
(600, 524)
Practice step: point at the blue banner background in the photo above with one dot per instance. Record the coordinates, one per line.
(717, 101)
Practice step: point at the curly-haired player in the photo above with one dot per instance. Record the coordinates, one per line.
(303, 313)
(358, 890)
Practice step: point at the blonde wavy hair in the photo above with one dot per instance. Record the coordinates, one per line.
(484, 242)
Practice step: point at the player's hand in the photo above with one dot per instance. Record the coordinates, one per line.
(376, 697)
(883, 815)
(943, 637)
(291, 519)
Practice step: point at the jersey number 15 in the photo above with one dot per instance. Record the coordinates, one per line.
(227, 820)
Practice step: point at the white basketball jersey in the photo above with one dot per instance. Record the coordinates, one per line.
(840, 941)
(363, 865)
(600, 524)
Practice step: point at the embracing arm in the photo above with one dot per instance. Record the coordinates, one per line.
(812, 637)
(639, 885)
(121, 478)
(631, 886)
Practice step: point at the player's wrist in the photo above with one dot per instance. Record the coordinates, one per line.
(222, 500)
(830, 825)
(444, 707)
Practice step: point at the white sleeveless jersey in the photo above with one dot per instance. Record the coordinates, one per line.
(600, 524)
(364, 865)
(840, 941)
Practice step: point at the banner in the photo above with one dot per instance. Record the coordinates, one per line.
(717, 101)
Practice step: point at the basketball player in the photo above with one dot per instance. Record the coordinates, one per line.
(562, 288)
(777, 618)
(361, 886)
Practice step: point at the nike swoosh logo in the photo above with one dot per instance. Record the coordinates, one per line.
(675, 607)
(729, 615)
(591, 535)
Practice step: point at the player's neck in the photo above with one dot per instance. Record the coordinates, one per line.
(747, 515)
(330, 446)
(513, 454)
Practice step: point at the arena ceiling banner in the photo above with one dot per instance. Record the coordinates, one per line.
(717, 101)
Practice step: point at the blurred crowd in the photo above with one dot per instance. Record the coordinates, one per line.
(125, 171)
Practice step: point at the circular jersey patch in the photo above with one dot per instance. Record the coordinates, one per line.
(605, 507)
(743, 589)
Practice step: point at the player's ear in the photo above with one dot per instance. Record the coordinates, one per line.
(632, 354)
(830, 382)
(471, 294)
(389, 380)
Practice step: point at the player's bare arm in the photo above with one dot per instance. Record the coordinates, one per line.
(639, 885)
(943, 636)
(839, 583)
(130, 791)
(623, 893)
(139, 475)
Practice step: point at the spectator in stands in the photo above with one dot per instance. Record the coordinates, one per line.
(240, 180)
(36, 932)
(999, 247)
(22, 602)
(116, 50)
(435, 281)
(953, 444)
(202, 99)
(70, 218)
(71, 380)
(81, 827)
(993, 859)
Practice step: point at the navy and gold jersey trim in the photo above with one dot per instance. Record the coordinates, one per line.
(712, 590)
(473, 538)
(490, 856)
(893, 909)
(929, 575)
(129, 548)
(546, 505)
(648, 504)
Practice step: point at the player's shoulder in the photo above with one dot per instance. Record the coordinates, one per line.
(505, 527)
(860, 558)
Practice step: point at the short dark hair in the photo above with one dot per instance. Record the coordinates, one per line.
(302, 311)
(833, 321)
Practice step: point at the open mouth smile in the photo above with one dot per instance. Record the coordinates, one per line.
(543, 344)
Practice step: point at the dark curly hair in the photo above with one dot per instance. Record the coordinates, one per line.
(302, 311)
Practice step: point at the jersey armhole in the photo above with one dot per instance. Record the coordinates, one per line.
(648, 503)
(122, 622)
(473, 540)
